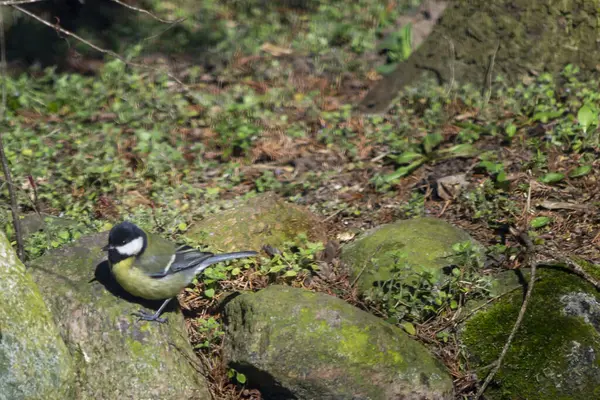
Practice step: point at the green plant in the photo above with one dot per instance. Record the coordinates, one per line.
(293, 258)
(415, 296)
(239, 377)
(211, 333)
(267, 181)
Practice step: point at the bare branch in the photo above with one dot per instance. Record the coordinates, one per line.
(17, 2)
(93, 46)
(573, 266)
(524, 239)
(141, 10)
(11, 190)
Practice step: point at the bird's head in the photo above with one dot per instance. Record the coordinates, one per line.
(125, 240)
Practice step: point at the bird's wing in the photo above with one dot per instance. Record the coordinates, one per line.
(187, 257)
(165, 258)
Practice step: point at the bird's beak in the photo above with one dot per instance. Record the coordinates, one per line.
(107, 247)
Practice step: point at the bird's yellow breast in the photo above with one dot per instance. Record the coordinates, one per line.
(136, 282)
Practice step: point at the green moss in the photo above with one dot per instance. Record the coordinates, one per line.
(337, 349)
(547, 358)
(30, 344)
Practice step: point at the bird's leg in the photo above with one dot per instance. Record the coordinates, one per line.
(147, 316)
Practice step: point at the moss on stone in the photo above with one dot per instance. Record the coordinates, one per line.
(34, 360)
(263, 220)
(317, 346)
(554, 354)
(425, 242)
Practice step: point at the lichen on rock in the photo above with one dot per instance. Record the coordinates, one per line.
(298, 344)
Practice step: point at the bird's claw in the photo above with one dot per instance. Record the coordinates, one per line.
(144, 315)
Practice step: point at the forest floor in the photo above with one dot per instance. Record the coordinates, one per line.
(272, 112)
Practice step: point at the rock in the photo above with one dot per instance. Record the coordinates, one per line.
(34, 361)
(425, 243)
(555, 353)
(263, 220)
(116, 356)
(296, 344)
(34, 222)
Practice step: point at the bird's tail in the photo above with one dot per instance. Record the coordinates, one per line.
(217, 258)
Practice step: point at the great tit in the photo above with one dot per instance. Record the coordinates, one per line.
(153, 268)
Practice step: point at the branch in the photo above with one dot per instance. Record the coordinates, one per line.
(524, 239)
(141, 10)
(93, 46)
(11, 190)
(17, 2)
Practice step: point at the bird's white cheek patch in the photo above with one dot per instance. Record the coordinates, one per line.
(132, 248)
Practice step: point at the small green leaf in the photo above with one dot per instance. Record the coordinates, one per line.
(552, 177)
(290, 273)
(456, 272)
(587, 117)
(182, 226)
(210, 293)
(235, 271)
(511, 130)
(460, 150)
(540, 222)
(403, 171)
(501, 177)
(431, 141)
(407, 157)
(545, 116)
(275, 269)
(580, 171)
(241, 378)
(453, 304)
(409, 328)
(64, 235)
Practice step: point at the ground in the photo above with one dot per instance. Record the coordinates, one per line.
(269, 109)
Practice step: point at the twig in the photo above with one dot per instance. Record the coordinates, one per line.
(473, 311)
(16, 2)
(164, 30)
(141, 10)
(488, 78)
(452, 61)
(93, 46)
(365, 265)
(11, 190)
(574, 267)
(524, 239)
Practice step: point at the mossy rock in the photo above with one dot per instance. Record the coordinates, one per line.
(554, 355)
(262, 220)
(296, 344)
(34, 361)
(425, 243)
(115, 355)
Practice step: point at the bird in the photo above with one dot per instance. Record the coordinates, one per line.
(153, 268)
